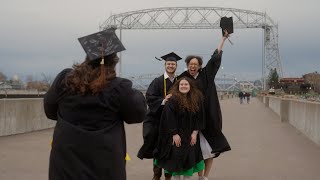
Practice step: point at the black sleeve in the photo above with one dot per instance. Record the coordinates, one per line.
(169, 121)
(50, 100)
(154, 96)
(133, 107)
(199, 122)
(213, 66)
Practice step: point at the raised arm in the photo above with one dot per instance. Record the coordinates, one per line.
(50, 100)
(224, 38)
(132, 103)
(214, 63)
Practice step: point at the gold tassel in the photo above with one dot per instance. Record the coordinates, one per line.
(127, 158)
(102, 56)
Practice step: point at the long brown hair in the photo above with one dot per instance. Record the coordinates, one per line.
(89, 77)
(190, 101)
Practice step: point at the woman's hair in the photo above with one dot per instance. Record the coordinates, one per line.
(90, 77)
(190, 101)
(188, 59)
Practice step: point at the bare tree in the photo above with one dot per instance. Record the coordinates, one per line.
(47, 79)
(42, 85)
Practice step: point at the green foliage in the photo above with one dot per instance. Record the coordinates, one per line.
(273, 78)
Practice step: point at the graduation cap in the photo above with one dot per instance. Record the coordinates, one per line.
(170, 57)
(226, 24)
(101, 44)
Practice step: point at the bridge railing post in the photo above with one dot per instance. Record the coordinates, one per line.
(266, 103)
(284, 110)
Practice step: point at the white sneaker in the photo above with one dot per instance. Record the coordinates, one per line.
(203, 178)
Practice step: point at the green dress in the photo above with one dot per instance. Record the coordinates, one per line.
(189, 172)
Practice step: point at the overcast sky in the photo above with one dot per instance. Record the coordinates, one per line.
(40, 36)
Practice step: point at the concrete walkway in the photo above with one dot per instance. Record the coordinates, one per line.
(263, 148)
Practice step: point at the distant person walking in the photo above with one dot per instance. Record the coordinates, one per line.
(247, 95)
(241, 95)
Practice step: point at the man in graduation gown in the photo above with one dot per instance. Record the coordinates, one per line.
(204, 78)
(156, 97)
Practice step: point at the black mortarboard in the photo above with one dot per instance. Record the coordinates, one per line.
(226, 24)
(171, 57)
(100, 44)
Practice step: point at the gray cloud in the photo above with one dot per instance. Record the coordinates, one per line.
(41, 36)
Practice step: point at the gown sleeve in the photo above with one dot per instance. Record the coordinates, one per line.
(213, 66)
(133, 105)
(154, 96)
(199, 122)
(50, 100)
(169, 122)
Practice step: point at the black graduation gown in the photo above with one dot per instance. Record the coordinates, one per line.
(175, 120)
(205, 82)
(154, 96)
(89, 138)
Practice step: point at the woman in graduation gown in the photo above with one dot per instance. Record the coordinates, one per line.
(90, 105)
(178, 150)
(214, 140)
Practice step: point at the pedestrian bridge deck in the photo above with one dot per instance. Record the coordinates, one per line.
(263, 148)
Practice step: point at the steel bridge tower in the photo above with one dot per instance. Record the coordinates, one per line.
(203, 18)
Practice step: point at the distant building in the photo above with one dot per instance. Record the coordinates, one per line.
(314, 80)
(292, 80)
(248, 86)
(293, 85)
(11, 85)
(4, 85)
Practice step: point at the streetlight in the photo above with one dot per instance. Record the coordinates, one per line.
(235, 84)
(224, 79)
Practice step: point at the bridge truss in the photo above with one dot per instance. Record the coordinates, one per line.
(203, 18)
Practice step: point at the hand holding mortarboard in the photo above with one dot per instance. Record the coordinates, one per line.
(226, 34)
(226, 25)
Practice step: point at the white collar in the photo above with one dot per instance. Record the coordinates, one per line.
(166, 76)
(195, 77)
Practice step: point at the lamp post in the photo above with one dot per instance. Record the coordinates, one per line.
(224, 79)
(235, 81)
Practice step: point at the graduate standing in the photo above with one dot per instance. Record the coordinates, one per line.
(157, 95)
(178, 150)
(90, 105)
(212, 140)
